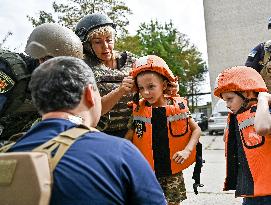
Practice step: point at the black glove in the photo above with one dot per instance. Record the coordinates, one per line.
(197, 168)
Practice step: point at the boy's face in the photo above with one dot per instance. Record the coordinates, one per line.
(151, 86)
(234, 101)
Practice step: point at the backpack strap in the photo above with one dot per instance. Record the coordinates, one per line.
(17, 67)
(6, 147)
(57, 147)
(11, 141)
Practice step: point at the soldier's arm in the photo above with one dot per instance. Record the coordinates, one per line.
(255, 57)
(112, 98)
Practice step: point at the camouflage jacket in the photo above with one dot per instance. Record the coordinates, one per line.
(16, 111)
(266, 70)
(109, 79)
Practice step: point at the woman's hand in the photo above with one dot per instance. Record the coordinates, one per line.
(127, 85)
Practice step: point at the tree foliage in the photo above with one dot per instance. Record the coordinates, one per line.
(130, 43)
(8, 34)
(152, 38)
(70, 13)
(167, 42)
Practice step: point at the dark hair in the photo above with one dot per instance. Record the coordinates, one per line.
(58, 83)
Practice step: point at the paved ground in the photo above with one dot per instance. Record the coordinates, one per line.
(213, 174)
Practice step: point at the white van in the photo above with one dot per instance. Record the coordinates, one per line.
(218, 120)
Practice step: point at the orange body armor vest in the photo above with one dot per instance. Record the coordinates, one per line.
(257, 151)
(160, 138)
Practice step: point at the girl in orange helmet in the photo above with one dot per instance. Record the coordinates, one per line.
(163, 129)
(248, 155)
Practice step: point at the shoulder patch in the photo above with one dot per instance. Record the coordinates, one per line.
(6, 83)
(252, 53)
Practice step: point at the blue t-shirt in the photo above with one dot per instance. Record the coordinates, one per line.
(97, 168)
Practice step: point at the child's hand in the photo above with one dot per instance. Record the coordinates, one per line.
(181, 156)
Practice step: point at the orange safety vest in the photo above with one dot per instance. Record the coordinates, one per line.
(172, 136)
(257, 151)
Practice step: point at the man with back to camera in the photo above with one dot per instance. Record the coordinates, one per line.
(96, 169)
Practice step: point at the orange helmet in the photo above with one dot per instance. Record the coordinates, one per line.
(152, 63)
(238, 79)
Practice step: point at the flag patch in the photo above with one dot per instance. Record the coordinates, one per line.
(6, 83)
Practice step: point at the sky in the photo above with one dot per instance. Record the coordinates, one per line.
(187, 16)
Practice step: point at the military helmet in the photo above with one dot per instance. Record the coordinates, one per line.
(152, 63)
(51, 39)
(91, 22)
(239, 79)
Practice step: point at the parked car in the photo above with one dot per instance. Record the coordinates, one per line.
(201, 119)
(217, 122)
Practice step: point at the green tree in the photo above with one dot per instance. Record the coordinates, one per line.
(131, 44)
(174, 47)
(8, 34)
(70, 13)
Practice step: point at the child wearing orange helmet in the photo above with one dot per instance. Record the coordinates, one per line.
(248, 155)
(163, 129)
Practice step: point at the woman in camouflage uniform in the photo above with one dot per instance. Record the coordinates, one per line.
(112, 68)
(97, 33)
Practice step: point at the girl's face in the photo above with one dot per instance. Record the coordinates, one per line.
(151, 86)
(234, 101)
(103, 46)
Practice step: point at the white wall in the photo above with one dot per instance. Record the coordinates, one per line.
(233, 28)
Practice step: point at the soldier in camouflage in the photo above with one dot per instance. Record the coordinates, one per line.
(259, 58)
(46, 41)
(51, 40)
(16, 110)
(97, 33)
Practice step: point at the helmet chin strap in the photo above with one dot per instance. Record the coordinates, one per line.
(244, 106)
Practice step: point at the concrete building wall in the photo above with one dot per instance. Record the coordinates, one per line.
(233, 28)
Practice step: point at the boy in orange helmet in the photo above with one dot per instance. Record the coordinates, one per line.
(163, 129)
(248, 155)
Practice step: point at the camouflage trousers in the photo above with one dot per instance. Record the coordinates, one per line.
(173, 187)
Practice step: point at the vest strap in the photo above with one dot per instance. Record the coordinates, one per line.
(6, 147)
(143, 119)
(176, 117)
(246, 123)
